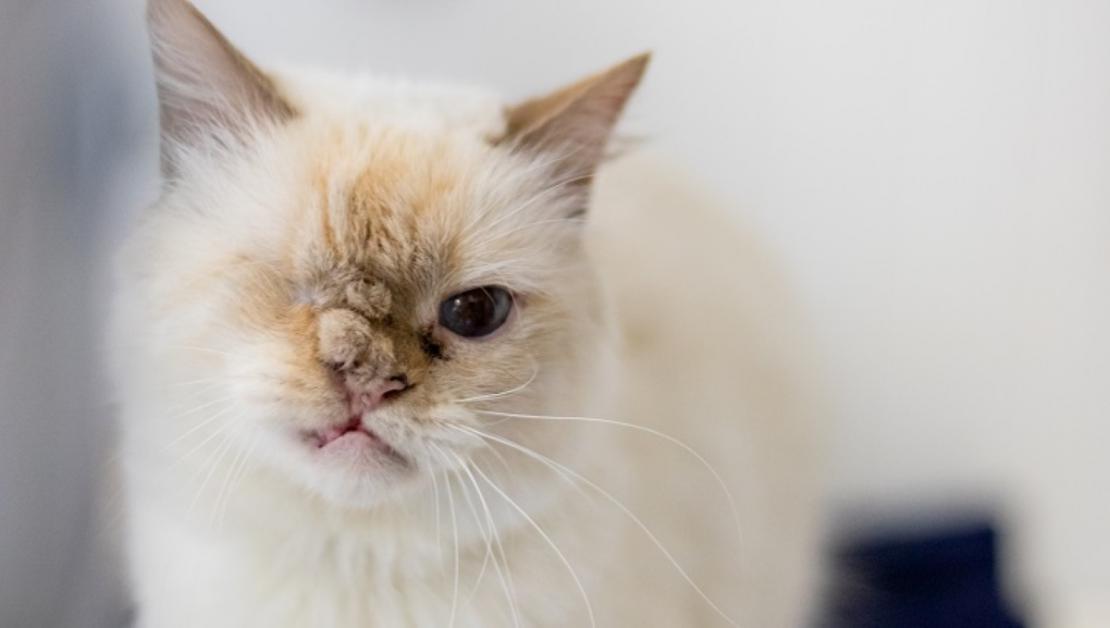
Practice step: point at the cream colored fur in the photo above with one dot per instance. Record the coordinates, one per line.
(653, 311)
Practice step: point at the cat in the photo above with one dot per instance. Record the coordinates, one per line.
(392, 355)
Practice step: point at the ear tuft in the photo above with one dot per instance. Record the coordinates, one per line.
(206, 87)
(574, 123)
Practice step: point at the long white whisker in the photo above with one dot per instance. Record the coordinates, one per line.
(481, 529)
(224, 497)
(485, 534)
(735, 511)
(202, 424)
(482, 435)
(548, 540)
(217, 510)
(435, 497)
(197, 408)
(504, 576)
(455, 533)
(559, 468)
(505, 393)
(216, 456)
(243, 468)
(218, 431)
(500, 459)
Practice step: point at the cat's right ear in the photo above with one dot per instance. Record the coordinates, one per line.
(207, 89)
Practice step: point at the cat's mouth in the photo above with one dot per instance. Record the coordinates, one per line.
(352, 437)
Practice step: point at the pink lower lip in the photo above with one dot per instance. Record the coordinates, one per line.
(350, 436)
(356, 440)
(351, 427)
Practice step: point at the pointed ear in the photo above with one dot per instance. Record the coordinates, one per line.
(573, 124)
(206, 88)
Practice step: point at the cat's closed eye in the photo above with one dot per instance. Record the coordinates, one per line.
(476, 313)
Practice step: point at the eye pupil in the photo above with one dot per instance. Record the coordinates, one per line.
(476, 313)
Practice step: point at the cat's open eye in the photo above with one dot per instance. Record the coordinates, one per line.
(476, 313)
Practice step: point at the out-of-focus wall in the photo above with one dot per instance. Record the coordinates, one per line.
(66, 122)
(934, 177)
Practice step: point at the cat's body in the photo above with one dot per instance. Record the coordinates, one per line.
(236, 298)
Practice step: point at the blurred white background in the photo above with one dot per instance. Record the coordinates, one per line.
(934, 177)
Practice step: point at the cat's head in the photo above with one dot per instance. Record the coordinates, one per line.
(346, 271)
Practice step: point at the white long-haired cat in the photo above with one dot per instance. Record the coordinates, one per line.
(393, 356)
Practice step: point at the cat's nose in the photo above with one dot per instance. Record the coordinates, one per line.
(369, 396)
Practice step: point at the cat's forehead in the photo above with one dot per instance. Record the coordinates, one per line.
(392, 150)
(392, 204)
(410, 205)
(405, 184)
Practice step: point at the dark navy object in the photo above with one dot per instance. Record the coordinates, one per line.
(946, 578)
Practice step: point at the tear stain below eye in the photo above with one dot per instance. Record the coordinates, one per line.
(432, 348)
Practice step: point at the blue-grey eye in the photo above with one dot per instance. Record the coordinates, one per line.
(476, 313)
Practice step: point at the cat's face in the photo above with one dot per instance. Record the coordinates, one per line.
(366, 300)
(352, 289)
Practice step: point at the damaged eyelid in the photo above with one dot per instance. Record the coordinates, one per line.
(369, 296)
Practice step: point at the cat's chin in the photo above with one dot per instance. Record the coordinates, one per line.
(353, 472)
(346, 464)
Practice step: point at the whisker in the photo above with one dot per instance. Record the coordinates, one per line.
(491, 537)
(560, 468)
(485, 534)
(505, 393)
(484, 435)
(505, 577)
(455, 533)
(243, 468)
(217, 507)
(735, 511)
(202, 406)
(216, 456)
(224, 496)
(546, 538)
(208, 421)
(501, 460)
(220, 430)
(435, 498)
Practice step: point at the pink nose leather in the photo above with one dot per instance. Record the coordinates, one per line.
(368, 398)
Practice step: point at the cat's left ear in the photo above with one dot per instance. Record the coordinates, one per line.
(571, 126)
(206, 87)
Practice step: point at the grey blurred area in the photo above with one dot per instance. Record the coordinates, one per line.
(67, 123)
